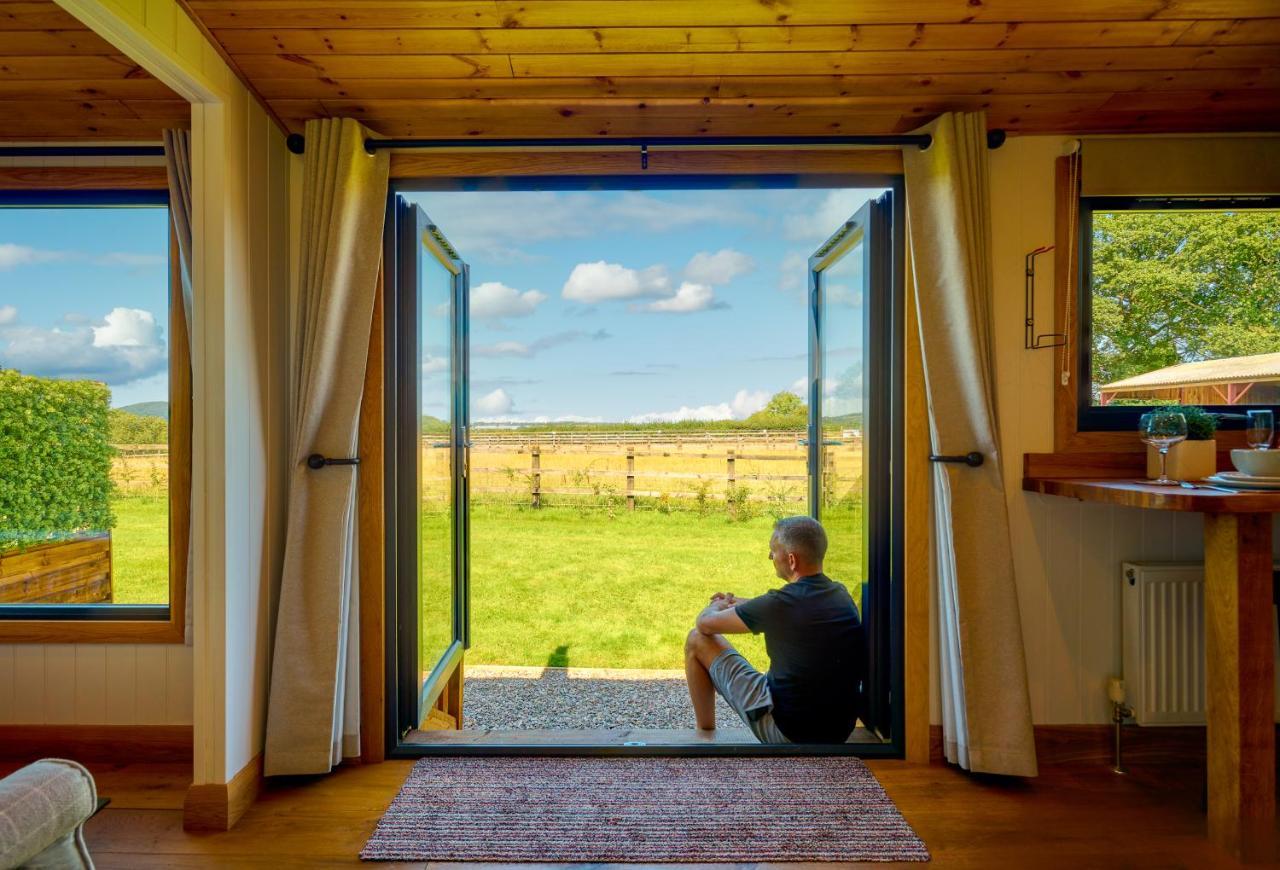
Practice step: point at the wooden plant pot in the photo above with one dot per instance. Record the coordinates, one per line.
(1188, 460)
(77, 571)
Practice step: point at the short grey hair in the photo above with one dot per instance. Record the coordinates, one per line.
(803, 536)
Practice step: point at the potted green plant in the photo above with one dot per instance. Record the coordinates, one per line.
(1194, 458)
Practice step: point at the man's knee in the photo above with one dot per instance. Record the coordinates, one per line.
(704, 647)
(692, 641)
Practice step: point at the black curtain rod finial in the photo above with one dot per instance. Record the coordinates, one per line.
(296, 143)
(995, 138)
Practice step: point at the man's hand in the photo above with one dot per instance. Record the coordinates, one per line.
(710, 620)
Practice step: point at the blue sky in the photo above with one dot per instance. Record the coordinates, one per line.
(593, 305)
(630, 305)
(83, 294)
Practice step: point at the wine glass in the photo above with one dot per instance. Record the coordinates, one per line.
(1259, 429)
(1162, 430)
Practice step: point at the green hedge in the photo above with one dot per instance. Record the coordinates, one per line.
(56, 458)
(127, 428)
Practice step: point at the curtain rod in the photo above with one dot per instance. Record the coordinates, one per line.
(995, 138)
(82, 151)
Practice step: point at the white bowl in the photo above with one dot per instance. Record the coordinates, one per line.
(1259, 463)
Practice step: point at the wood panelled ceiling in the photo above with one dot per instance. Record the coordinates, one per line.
(60, 80)
(541, 68)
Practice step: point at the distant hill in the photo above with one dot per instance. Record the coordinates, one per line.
(148, 409)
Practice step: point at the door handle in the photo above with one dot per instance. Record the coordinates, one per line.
(317, 461)
(972, 459)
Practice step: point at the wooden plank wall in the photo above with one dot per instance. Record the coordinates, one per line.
(95, 684)
(1067, 554)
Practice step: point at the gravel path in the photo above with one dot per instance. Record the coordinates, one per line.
(530, 697)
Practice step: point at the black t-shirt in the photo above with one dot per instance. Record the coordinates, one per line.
(813, 636)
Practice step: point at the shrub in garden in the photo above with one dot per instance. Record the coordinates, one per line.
(129, 428)
(56, 456)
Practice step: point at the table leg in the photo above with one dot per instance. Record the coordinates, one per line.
(1240, 684)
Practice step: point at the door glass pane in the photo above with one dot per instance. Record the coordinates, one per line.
(843, 296)
(435, 470)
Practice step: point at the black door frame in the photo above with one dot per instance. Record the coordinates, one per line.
(890, 383)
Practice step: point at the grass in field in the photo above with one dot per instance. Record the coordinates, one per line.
(562, 586)
(140, 549)
(577, 588)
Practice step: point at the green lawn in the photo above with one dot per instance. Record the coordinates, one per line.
(559, 585)
(567, 587)
(140, 549)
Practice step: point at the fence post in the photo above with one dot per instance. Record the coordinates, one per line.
(631, 478)
(535, 475)
(731, 484)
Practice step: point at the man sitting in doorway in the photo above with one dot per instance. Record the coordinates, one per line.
(813, 637)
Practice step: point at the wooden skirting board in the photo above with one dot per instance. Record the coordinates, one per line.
(217, 806)
(1095, 744)
(102, 743)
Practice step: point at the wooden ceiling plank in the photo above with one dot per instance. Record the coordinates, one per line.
(711, 87)
(603, 40)
(762, 64)
(83, 178)
(225, 14)
(1135, 122)
(93, 67)
(1264, 101)
(1258, 31)
(28, 110)
(98, 89)
(53, 43)
(887, 62)
(41, 15)
(97, 130)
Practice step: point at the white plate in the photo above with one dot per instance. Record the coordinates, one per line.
(1241, 476)
(1243, 481)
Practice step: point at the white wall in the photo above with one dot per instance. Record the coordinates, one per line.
(1067, 554)
(240, 173)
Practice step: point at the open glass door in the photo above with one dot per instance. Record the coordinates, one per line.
(430, 472)
(851, 429)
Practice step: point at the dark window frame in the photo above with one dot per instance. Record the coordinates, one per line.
(1124, 418)
(89, 613)
(893, 381)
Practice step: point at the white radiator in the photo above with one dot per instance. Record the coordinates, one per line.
(1162, 642)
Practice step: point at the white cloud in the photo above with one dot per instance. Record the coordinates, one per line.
(21, 255)
(816, 225)
(743, 405)
(8, 314)
(124, 258)
(494, 300)
(497, 402)
(689, 298)
(800, 387)
(600, 281)
(125, 346)
(126, 327)
(542, 418)
(434, 365)
(520, 348)
(718, 268)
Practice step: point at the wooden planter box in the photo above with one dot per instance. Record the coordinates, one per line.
(68, 572)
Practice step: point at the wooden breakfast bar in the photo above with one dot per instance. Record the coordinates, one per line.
(1240, 664)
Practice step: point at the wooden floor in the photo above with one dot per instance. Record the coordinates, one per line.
(1077, 816)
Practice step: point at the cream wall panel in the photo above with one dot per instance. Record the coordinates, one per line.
(60, 685)
(121, 704)
(1067, 554)
(6, 685)
(91, 679)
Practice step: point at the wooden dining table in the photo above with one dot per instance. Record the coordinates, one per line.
(1240, 657)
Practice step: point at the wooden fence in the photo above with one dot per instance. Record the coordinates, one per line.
(698, 472)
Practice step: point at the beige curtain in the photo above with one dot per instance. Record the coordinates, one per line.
(313, 712)
(177, 161)
(986, 709)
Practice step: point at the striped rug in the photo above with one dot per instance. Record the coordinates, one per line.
(643, 809)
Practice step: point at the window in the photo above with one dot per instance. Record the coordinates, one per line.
(94, 410)
(1179, 304)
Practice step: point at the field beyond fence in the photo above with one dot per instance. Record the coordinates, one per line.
(595, 549)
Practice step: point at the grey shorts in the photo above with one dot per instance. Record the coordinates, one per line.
(747, 691)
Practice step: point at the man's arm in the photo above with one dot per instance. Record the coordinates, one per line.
(719, 617)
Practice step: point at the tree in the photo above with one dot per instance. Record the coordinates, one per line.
(785, 410)
(1173, 287)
